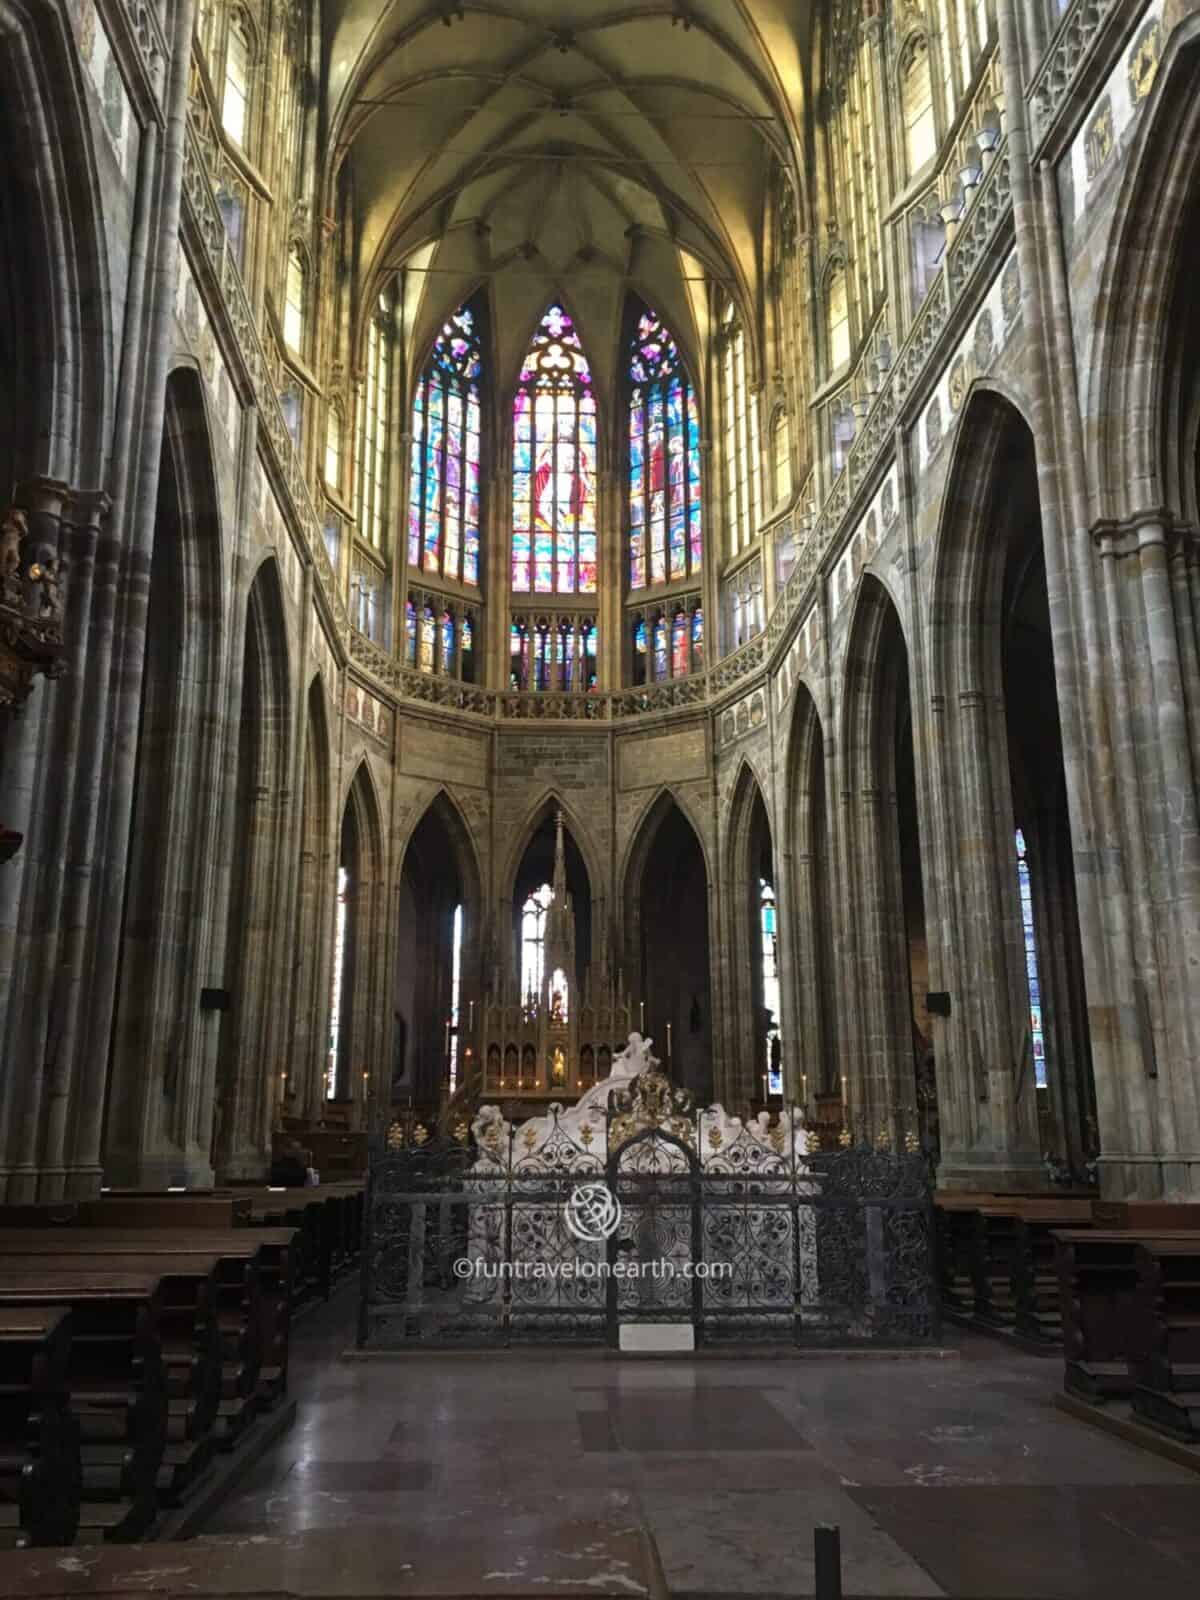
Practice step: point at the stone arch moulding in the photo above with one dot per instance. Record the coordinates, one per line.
(51, 144)
(644, 831)
(989, 411)
(443, 804)
(552, 799)
(1124, 376)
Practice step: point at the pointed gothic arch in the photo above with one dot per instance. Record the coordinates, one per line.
(555, 463)
(354, 1061)
(809, 905)
(548, 802)
(436, 983)
(1013, 952)
(303, 1090)
(166, 933)
(252, 1045)
(664, 481)
(667, 913)
(1137, 459)
(887, 1047)
(751, 860)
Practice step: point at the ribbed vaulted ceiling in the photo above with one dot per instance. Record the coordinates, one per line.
(564, 146)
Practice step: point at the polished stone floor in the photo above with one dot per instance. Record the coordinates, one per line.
(952, 1476)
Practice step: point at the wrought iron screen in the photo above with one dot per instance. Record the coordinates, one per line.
(475, 1241)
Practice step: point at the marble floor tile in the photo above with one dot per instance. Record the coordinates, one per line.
(934, 1470)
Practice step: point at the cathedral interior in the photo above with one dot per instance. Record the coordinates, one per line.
(599, 594)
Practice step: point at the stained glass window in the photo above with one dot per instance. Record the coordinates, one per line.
(740, 442)
(533, 934)
(336, 997)
(916, 99)
(235, 94)
(769, 931)
(425, 642)
(1031, 962)
(444, 487)
(410, 633)
(518, 675)
(660, 647)
(665, 540)
(698, 640)
(455, 986)
(374, 425)
(293, 300)
(679, 645)
(333, 448)
(554, 464)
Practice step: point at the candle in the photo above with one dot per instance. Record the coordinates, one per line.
(642, 1015)
(471, 1015)
(804, 1090)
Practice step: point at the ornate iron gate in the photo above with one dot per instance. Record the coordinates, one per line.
(476, 1241)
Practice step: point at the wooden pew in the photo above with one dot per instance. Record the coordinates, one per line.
(189, 1335)
(954, 1216)
(1165, 1362)
(40, 1471)
(254, 1268)
(997, 1264)
(166, 1210)
(307, 1212)
(1152, 1217)
(1098, 1288)
(116, 1380)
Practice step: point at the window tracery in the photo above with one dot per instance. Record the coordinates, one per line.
(665, 538)
(440, 635)
(554, 464)
(740, 442)
(235, 87)
(667, 641)
(553, 652)
(373, 451)
(444, 479)
(295, 299)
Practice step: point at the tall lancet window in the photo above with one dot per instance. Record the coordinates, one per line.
(533, 940)
(1025, 883)
(769, 932)
(665, 539)
(443, 491)
(554, 464)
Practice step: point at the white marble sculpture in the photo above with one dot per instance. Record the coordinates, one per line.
(585, 1125)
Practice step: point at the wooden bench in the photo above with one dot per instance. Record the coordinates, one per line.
(116, 1381)
(1165, 1363)
(40, 1471)
(166, 1210)
(189, 1337)
(252, 1294)
(954, 1221)
(1098, 1288)
(998, 1242)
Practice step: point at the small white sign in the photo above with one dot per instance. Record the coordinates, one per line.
(657, 1337)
